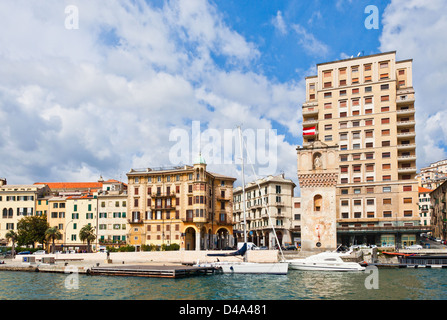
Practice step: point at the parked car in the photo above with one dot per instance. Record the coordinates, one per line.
(24, 252)
(414, 246)
(290, 247)
(40, 252)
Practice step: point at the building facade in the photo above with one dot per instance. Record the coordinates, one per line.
(17, 202)
(425, 207)
(364, 107)
(439, 214)
(434, 175)
(268, 201)
(187, 205)
(111, 225)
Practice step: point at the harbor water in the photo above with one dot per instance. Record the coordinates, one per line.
(389, 284)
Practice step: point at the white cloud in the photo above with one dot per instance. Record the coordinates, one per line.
(278, 23)
(416, 30)
(102, 99)
(310, 44)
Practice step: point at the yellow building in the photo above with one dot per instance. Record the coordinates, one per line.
(364, 107)
(185, 205)
(16, 202)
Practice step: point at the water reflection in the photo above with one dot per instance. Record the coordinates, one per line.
(394, 284)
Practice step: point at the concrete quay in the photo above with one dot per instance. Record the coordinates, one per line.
(173, 261)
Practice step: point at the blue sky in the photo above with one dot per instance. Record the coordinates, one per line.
(108, 96)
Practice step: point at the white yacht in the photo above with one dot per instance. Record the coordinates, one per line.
(277, 268)
(325, 261)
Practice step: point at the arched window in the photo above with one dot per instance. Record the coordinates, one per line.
(318, 202)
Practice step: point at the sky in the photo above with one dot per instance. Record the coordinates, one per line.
(94, 88)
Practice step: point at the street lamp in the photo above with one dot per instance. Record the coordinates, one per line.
(65, 231)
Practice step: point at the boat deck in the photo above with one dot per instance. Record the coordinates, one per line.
(157, 271)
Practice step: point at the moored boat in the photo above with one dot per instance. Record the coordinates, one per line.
(325, 261)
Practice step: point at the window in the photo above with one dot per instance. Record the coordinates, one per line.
(385, 120)
(384, 87)
(318, 199)
(328, 138)
(385, 109)
(328, 116)
(386, 143)
(386, 132)
(408, 200)
(408, 213)
(327, 95)
(386, 177)
(386, 166)
(328, 127)
(386, 189)
(386, 155)
(368, 89)
(407, 188)
(385, 98)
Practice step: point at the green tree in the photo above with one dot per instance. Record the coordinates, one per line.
(11, 235)
(87, 233)
(31, 230)
(52, 234)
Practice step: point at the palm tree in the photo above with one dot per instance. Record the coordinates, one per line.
(52, 234)
(12, 235)
(87, 233)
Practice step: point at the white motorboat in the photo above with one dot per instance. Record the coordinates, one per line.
(325, 261)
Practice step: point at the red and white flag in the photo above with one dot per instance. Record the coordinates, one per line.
(309, 131)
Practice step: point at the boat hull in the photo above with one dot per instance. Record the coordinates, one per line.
(251, 268)
(311, 267)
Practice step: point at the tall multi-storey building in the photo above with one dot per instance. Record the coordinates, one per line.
(364, 108)
(268, 201)
(187, 205)
(16, 202)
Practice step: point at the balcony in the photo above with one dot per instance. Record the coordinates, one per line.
(405, 99)
(406, 146)
(406, 158)
(407, 170)
(310, 111)
(135, 221)
(409, 123)
(406, 134)
(310, 122)
(408, 111)
(311, 103)
(163, 194)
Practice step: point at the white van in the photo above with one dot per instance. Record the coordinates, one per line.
(250, 246)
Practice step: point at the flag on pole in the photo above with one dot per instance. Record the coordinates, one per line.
(309, 131)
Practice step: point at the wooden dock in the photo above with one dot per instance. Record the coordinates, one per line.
(156, 271)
